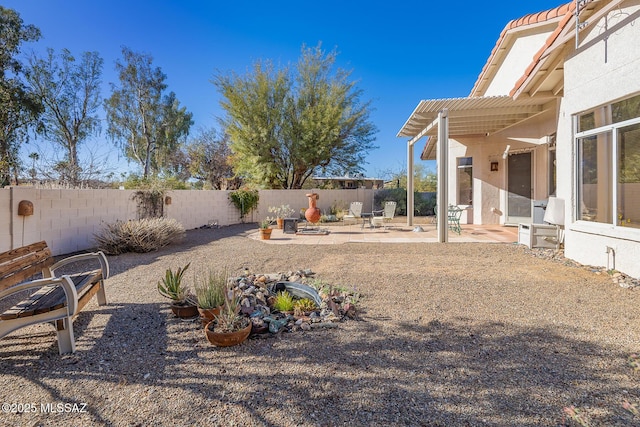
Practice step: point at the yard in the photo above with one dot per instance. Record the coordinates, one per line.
(450, 334)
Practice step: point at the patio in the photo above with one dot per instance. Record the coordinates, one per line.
(396, 232)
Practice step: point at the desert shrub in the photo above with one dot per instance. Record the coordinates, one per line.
(143, 235)
(423, 203)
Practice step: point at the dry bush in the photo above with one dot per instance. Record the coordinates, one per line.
(144, 235)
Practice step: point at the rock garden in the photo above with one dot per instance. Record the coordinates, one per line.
(258, 305)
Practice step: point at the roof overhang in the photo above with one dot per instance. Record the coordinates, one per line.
(470, 117)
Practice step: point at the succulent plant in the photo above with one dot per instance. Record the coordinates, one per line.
(230, 319)
(171, 285)
(284, 301)
(210, 290)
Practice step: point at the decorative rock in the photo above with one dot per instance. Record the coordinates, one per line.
(260, 298)
(276, 325)
(305, 326)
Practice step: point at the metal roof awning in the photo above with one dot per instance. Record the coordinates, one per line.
(468, 117)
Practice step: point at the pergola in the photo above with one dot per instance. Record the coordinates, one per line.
(441, 119)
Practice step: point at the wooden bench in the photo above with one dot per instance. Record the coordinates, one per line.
(56, 298)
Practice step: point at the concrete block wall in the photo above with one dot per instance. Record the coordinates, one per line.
(68, 219)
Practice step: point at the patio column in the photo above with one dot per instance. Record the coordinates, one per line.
(410, 202)
(442, 168)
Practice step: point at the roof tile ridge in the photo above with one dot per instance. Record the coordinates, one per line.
(568, 14)
(518, 22)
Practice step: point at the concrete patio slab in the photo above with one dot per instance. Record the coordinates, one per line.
(394, 233)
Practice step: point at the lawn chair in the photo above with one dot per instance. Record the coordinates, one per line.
(355, 213)
(453, 218)
(384, 216)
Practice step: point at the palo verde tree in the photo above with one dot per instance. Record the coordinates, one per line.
(287, 124)
(70, 92)
(146, 124)
(19, 108)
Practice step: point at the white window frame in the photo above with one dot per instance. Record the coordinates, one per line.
(610, 229)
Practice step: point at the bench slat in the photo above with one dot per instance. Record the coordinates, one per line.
(22, 263)
(52, 297)
(20, 252)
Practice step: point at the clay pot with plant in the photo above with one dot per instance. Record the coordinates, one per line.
(229, 327)
(183, 302)
(210, 293)
(265, 229)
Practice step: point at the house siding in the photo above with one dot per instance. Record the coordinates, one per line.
(605, 68)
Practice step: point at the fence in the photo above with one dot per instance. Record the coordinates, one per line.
(68, 219)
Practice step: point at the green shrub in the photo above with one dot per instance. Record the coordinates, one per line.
(244, 200)
(423, 203)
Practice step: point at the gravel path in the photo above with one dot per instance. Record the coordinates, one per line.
(449, 335)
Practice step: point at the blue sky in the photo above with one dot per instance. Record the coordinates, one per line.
(399, 53)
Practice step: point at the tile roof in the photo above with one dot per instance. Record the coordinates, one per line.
(568, 13)
(546, 15)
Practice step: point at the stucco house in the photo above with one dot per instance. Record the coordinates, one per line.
(555, 112)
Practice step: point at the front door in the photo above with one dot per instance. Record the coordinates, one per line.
(519, 188)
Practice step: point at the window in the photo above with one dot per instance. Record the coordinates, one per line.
(465, 180)
(608, 147)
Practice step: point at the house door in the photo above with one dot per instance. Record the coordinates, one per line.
(519, 189)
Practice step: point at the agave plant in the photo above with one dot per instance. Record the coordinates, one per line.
(171, 285)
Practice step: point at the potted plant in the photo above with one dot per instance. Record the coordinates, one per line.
(229, 327)
(183, 303)
(265, 229)
(281, 212)
(210, 293)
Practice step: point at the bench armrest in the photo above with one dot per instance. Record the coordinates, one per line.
(64, 282)
(102, 259)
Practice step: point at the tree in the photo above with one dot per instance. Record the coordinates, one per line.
(424, 180)
(70, 92)
(285, 126)
(209, 160)
(19, 108)
(34, 158)
(143, 122)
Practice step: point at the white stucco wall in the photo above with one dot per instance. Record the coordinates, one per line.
(604, 69)
(517, 61)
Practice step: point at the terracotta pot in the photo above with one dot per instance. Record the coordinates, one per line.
(265, 233)
(207, 314)
(226, 339)
(312, 214)
(280, 223)
(184, 311)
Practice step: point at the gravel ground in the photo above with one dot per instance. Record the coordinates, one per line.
(449, 335)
